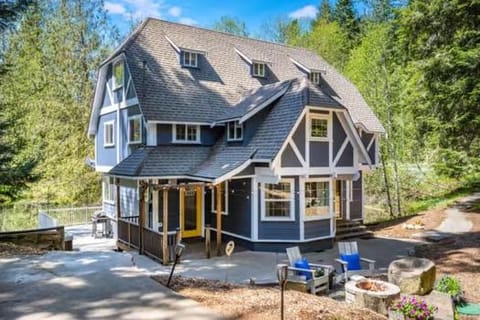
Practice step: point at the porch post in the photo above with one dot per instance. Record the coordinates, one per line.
(219, 219)
(117, 183)
(165, 257)
(141, 218)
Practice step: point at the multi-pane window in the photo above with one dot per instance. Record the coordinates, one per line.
(258, 69)
(186, 133)
(317, 199)
(279, 201)
(235, 131)
(108, 190)
(108, 138)
(135, 129)
(315, 77)
(190, 59)
(118, 75)
(319, 128)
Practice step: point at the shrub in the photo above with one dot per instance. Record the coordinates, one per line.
(449, 285)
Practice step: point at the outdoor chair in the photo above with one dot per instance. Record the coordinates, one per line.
(314, 277)
(350, 261)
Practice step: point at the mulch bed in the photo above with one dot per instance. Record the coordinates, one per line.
(8, 249)
(263, 303)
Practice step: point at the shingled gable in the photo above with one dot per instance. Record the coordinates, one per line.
(167, 92)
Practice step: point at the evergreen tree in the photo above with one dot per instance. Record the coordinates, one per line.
(325, 12)
(10, 12)
(344, 14)
(49, 92)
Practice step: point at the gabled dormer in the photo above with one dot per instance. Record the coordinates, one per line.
(312, 71)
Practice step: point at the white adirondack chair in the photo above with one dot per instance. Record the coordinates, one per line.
(315, 284)
(347, 248)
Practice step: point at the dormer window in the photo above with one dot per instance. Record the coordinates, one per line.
(186, 133)
(315, 77)
(118, 74)
(235, 131)
(190, 59)
(258, 69)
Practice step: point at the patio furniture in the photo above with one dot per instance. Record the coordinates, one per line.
(306, 276)
(350, 261)
(99, 218)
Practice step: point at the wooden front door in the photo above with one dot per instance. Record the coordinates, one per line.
(191, 212)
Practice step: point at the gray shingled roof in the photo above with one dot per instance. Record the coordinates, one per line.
(161, 161)
(168, 92)
(214, 162)
(254, 100)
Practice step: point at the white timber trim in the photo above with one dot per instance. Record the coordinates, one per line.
(301, 201)
(123, 105)
(354, 132)
(371, 142)
(294, 240)
(213, 208)
(163, 178)
(180, 122)
(254, 209)
(151, 134)
(340, 151)
(232, 234)
(173, 44)
(277, 158)
(233, 172)
(315, 171)
(155, 203)
(298, 154)
(103, 169)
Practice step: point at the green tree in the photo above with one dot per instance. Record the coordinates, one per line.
(441, 45)
(231, 25)
(325, 12)
(344, 14)
(49, 92)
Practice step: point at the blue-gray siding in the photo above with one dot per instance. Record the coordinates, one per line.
(346, 159)
(338, 133)
(106, 156)
(238, 220)
(319, 154)
(289, 159)
(356, 205)
(208, 136)
(280, 230)
(316, 229)
(299, 137)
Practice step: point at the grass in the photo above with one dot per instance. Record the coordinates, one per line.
(375, 215)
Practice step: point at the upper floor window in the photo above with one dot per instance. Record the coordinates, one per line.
(258, 69)
(278, 201)
(235, 131)
(118, 75)
(108, 138)
(135, 129)
(315, 77)
(190, 59)
(186, 133)
(319, 128)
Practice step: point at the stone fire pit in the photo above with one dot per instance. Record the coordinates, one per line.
(376, 295)
(412, 275)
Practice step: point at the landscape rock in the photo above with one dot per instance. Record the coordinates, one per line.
(412, 275)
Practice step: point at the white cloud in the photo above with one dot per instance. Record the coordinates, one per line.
(175, 11)
(189, 21)
(114, 8)
(144, 8)
(309, 11)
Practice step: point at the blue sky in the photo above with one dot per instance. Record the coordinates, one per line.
(204, 13)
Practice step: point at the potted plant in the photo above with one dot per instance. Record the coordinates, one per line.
(452, 287)
(412, 308)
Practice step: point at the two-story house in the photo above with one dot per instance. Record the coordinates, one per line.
(265, 143)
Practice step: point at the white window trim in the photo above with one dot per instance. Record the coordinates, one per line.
(292, 203)
(263, 69)
(107, 184)
(214, 201)
(330, 202)
(190, 65)
(115, 63)
(105, 125)
(174, 134)
(138, 116)
(236, 125)
(309, 127)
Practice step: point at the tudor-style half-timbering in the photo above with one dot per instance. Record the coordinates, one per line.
(265, 143)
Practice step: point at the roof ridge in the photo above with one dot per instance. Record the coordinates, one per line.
(233, 35)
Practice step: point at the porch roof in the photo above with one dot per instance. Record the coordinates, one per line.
(162, 161)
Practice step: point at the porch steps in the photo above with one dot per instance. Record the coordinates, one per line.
(351, 229)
